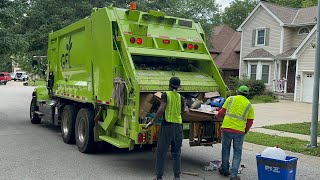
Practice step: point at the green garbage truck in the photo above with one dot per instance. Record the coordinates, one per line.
(106, 71)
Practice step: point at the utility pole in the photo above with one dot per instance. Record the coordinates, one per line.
(315, 102)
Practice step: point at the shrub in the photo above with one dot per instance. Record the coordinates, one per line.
(257, 87)
(270, 93)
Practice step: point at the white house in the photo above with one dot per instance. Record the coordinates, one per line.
(278, 47)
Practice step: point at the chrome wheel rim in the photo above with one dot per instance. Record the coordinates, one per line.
(32, 110)
(81, 130)
(65, 124)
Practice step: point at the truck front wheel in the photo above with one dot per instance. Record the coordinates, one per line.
(84, 131)
(34, 117)
(68, 120)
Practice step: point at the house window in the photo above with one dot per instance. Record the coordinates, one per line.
(304, 30)
(261, 36)
(260, 71)
(265, 73)
(253, 72)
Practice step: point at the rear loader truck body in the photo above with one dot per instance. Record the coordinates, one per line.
(105, 69)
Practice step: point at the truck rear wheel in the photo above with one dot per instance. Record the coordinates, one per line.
(84, 131)
(34, 117)
(68, 120)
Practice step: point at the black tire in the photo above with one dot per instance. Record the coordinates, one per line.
(84, 132)
(5, 83)
(68, 121)
(34, 118)
(23, 79)
(14, 79)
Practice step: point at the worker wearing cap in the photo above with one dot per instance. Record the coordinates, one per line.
(172, 104)
(238, 114)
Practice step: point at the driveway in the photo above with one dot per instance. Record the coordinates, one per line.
(283, 112)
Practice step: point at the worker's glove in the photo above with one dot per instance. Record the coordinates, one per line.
(151, 123)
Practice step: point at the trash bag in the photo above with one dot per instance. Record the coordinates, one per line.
(274, 153)
(217, 102)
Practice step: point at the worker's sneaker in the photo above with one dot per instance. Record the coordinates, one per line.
(224, 173)
(235, 178)
(176, 178)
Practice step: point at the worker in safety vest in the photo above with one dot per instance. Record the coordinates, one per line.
(172, 104)
(238, 114)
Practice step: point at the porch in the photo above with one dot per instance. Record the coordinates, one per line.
(284, 81)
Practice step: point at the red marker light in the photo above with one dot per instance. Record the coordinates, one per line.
(196, 47)
(139, 41)
(190, 46)
(166, 41)
(132, 40)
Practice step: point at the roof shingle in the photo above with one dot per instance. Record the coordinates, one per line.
(293, 16)
(226, 41)
(287, 53)
(259, 53)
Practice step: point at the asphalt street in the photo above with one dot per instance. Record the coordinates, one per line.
(35, 152)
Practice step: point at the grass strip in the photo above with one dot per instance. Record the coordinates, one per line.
(298, 128)
(286, 143)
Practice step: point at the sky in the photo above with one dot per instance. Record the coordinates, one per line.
(223, 3)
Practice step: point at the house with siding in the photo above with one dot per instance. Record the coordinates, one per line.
(278, 47)
(226, 51)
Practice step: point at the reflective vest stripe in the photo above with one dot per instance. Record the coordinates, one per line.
(243, 117)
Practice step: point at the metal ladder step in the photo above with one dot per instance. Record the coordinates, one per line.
(114, 141)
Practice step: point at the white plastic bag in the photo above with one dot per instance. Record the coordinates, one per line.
(274, 153)
(205, 108)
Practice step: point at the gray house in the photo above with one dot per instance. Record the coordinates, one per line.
(278, 47)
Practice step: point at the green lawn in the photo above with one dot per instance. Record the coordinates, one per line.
(286, 143)
(298, 128)
(38, 82)
(262, 99)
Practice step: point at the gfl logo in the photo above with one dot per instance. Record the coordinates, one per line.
(65, 58)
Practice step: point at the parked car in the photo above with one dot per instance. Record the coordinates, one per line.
(21, 76)
(12, 75)
(4, 77)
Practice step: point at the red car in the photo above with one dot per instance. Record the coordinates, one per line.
(5, 77)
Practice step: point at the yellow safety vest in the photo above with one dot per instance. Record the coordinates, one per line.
(237, 113)
(173, 108)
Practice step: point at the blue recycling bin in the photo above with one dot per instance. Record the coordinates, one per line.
(276, 169)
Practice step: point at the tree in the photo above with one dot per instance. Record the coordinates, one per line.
(237, 12)
(295, 3)
(11, 15)
(309, 3)
(45, 16)
(288, 3)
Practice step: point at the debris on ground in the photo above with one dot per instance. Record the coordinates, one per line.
(213, 165)
(191, 173)
(241, 168)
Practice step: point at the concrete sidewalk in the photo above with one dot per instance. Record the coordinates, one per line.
(283, 112)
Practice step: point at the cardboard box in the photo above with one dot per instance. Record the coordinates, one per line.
(210, 95)
(145, 108)
(146, 97)
(198, 116)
